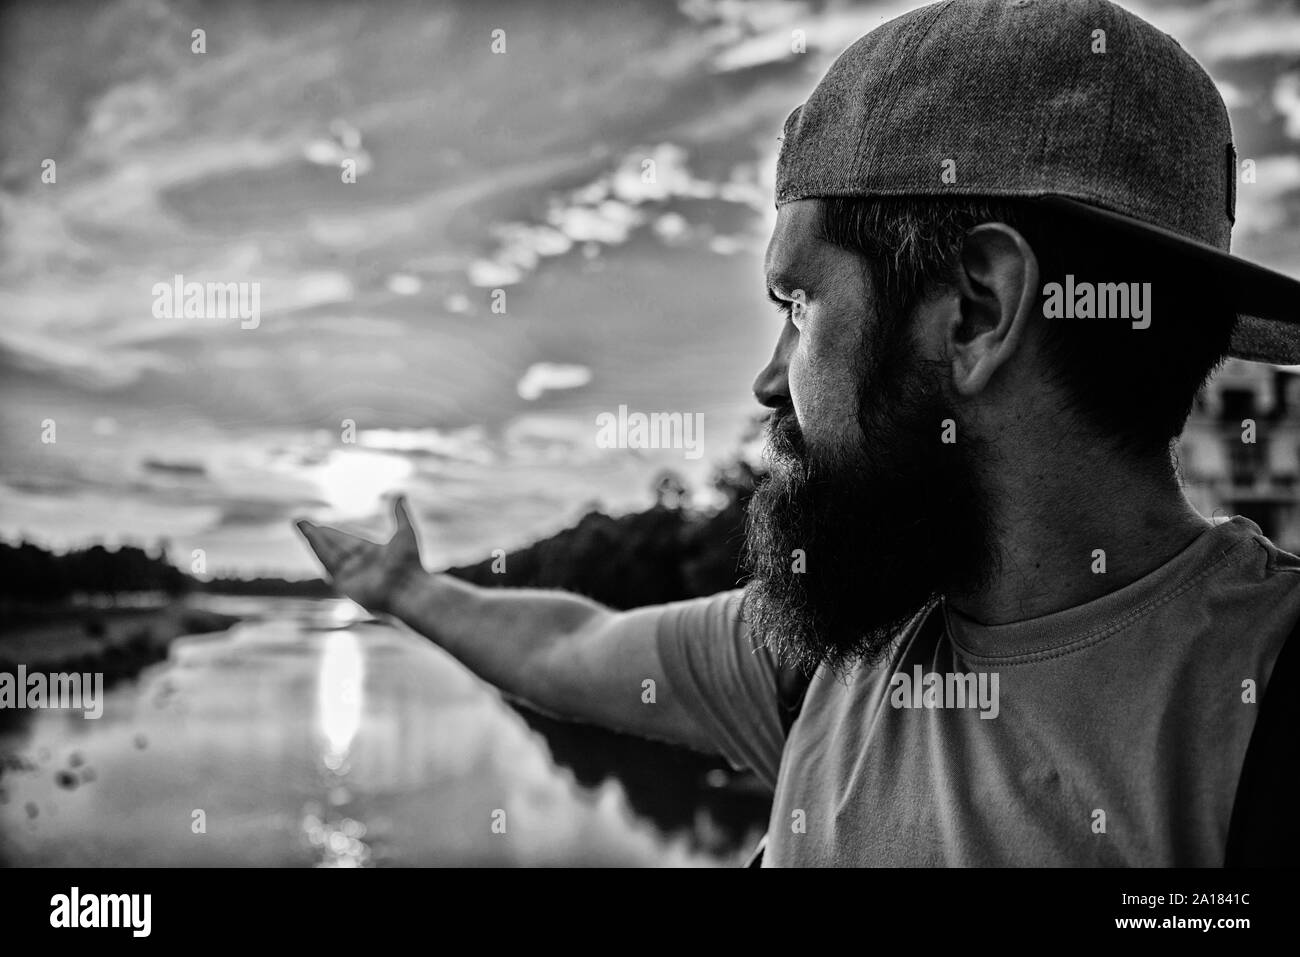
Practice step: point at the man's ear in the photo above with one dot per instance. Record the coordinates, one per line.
(997, 294)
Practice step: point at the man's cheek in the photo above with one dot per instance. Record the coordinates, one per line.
(824, 398)
(802, 386)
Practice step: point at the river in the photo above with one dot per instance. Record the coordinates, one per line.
(311, 736)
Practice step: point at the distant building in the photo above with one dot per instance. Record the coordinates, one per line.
(1229, 474)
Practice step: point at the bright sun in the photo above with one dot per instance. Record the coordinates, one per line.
(354, 482)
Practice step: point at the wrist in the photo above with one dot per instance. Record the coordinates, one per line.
(405, 592)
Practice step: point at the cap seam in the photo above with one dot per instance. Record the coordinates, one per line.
(911, 39)
(1114, 92)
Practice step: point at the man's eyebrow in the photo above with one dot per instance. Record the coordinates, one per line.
(803, 271)
(783, 279)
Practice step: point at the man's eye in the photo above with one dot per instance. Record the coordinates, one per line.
(797, 306)
(793, 308)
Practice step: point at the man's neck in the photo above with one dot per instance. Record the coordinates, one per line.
(1068, 536)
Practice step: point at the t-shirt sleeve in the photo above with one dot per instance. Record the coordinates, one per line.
(725, 681)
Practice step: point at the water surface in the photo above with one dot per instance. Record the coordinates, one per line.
(313, 736)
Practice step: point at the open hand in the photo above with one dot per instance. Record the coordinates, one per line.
(365, 571)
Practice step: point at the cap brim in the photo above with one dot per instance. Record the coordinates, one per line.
(1267, 302)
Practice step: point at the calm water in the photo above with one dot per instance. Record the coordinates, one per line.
(310, 737)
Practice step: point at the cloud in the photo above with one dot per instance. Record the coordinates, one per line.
(402, 284)
(766, 34)
(311, 289)
(70, 521)
(185, 469)
(544, 377)
(608, 210)
(257, 513)
(466, 445)
(1233, 96)
(1251, 35)
(1286, 100)
(488, 274)
(671, 227)
(535, 438)
(1260, 209)
(343, 143)
(611, 222)
(90, 366)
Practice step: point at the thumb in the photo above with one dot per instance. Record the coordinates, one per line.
(405, 527)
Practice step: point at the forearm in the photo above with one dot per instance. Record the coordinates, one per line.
(505, 636)
(560, 652)
(563, 654)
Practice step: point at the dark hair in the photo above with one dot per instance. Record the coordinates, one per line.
(1132, 388)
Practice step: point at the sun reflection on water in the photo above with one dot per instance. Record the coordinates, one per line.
(339, 692)
(337, 837)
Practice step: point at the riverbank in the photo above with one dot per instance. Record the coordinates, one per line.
(118, 642)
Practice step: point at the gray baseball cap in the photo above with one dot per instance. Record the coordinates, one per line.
(1076, 103)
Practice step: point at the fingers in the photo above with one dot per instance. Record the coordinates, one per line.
(317, 540)
(331, 546)
(405, 527)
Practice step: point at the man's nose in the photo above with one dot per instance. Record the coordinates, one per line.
(772, 387)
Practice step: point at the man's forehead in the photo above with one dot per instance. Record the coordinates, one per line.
(797, 248)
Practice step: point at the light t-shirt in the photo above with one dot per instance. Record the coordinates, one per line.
(1115, 732)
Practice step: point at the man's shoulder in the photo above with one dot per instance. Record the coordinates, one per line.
(1278, 560)
(1263, 570)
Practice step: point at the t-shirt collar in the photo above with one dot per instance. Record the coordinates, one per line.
(1094, 619)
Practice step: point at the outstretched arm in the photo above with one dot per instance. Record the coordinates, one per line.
(561, 653)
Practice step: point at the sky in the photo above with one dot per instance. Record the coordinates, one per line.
(522, 171)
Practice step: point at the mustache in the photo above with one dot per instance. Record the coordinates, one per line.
(785, 439)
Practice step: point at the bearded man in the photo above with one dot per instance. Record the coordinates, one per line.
(968, 495)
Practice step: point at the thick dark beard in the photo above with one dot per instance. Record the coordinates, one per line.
(885, 524)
